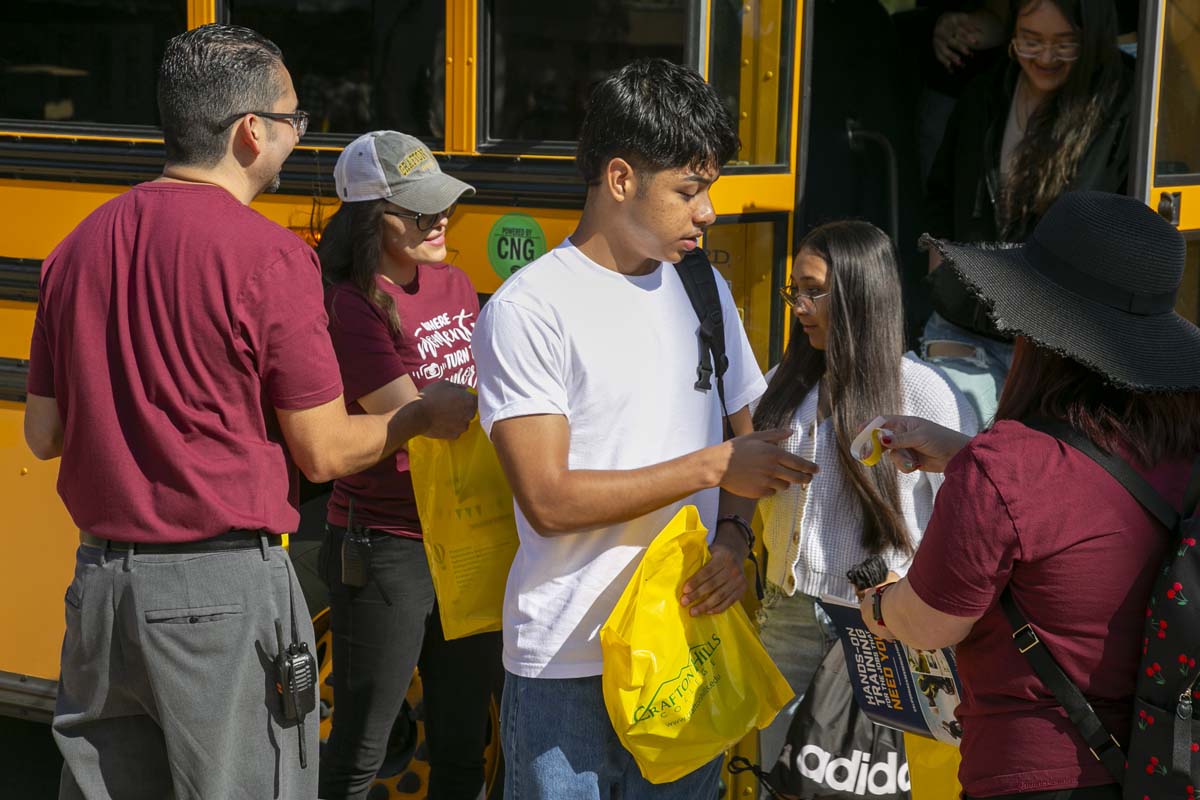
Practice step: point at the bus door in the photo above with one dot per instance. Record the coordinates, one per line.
(1166, 158)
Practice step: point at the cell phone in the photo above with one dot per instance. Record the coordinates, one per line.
(356, 558)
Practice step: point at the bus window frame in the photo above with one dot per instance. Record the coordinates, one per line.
(1144, 182)
(786, 75)
(695, 54)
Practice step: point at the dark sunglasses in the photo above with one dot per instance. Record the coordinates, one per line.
(425, 222)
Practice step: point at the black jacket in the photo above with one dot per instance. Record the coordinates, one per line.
(964, 183)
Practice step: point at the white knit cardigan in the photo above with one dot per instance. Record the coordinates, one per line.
(814, 535)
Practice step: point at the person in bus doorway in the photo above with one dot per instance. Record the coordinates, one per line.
(845, 362)
(400, 318)
(180, 355)
(587, 360)
(1054, 118)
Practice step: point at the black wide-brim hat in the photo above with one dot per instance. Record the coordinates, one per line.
(1096, 282)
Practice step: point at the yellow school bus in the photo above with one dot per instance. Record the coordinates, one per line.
(496, 88)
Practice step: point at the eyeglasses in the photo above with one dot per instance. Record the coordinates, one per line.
(802, 299)
(297, 119)
(425, 222)
(1033, 48)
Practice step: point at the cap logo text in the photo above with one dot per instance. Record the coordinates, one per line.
(411, 161)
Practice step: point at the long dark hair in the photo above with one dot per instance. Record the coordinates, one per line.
(860, 365)
(1059, 133)
(350, 250)
(1149, 426)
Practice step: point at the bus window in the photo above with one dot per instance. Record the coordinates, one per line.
(84, 60)
(360, 65)
(1178, 148)
(544, 56)
(750, 58)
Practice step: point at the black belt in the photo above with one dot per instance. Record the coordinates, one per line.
(239, 539)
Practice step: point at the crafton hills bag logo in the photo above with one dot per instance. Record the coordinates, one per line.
(675, 698)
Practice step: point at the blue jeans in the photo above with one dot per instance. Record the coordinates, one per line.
(560, 745)
(797, 636)
(979, 377)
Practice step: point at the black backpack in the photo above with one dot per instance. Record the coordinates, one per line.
(698, 279)
(1162, 757)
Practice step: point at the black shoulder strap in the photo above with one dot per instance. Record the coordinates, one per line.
(1125, 475)
(698, 279)
(1103, 744)
(1191, 497)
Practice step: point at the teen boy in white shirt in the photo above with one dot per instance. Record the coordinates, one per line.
(587, 360)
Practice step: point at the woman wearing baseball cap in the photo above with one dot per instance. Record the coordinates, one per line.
(1025, 520)
(400, 318)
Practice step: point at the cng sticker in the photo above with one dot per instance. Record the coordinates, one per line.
(514, 241)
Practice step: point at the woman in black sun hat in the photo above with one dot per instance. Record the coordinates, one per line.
(1027, 522)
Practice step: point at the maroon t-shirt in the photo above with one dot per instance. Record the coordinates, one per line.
(1019, 508)
(437, 313)
(170, 324)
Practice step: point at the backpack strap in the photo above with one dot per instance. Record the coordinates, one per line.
(1104, 746)
(1191, 496)
(698, 279)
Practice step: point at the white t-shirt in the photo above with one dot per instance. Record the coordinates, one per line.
(616, 355)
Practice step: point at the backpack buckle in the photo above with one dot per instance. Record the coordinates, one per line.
(1026, 639)
(1104, 748)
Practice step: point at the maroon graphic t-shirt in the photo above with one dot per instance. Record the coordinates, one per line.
(437, 316)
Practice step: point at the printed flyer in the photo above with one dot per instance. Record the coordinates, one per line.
(897, 686)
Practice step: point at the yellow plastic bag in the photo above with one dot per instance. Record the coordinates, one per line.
(679, 689)
(466, 511)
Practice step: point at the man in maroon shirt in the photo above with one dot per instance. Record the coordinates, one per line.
(180, 362)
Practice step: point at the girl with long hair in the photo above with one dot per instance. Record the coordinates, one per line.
(845, 361)
(1054, 118)
(1025, 517)
(400, 318)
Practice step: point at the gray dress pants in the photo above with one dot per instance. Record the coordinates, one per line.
(167, 687)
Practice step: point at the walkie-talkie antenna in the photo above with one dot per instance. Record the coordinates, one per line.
(300, 725)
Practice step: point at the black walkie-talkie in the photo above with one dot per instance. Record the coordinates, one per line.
(296, 683)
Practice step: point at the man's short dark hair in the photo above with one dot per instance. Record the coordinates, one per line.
(207, 75)
(656, 115)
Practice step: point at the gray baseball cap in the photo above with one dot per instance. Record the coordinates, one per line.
(393, 166)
